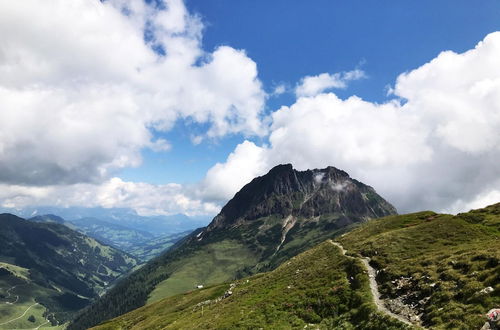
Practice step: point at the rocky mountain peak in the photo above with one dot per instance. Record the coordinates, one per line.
(284, 191)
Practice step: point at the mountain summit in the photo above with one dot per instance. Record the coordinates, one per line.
(271, 219)
(285, 192)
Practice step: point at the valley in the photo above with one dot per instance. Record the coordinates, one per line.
(127, 234)
(52, 270)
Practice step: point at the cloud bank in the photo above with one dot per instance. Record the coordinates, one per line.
(145, 198)
(84, 85)
(436, 145)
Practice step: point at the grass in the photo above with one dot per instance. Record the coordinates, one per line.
(449, 259)
(216, 263)
(241, 250)
(18, 271)
(319, 287)
(27, 293)
(61, 269)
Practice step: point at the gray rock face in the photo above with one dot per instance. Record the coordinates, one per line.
(285, 191)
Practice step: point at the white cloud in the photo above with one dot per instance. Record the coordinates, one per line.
(82, 92)
(438, 150)
(224, 180)
(160, 145)
(313, 85)
(80, 89)
(279, 89)
(146, 199)
(480, 201)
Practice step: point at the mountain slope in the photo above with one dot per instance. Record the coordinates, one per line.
(141, 244)
(57, 267)
(439, 268)
(320, 287)
(271, 219)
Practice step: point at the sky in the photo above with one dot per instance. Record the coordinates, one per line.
(172, 106)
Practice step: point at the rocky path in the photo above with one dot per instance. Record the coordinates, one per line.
(374, 286)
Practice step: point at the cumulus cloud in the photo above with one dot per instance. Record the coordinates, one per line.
(146, 199)
(223, 180)
(437, 146)
(313, 85)
(482, 200)
(279, 89)
(83, 83)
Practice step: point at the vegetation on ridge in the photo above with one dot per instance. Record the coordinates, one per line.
(439, 270)
(319, 287)
(445, 267)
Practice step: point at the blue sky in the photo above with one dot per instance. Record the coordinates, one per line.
(290, 39)
(403, 95)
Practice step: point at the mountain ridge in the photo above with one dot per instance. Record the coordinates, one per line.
(272, 218)
(283, 180)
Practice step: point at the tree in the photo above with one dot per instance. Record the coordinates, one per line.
(32, 318)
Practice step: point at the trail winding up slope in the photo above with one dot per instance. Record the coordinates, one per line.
(373, 286)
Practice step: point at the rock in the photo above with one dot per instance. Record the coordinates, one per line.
(314, 193)
(487, 290)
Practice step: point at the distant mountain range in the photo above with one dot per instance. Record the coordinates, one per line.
(159, 225)
(141, 244)
(55, 266)
(142, 236)
(270, 220)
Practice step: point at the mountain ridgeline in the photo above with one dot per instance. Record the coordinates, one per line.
(302, 194)
(271, 219)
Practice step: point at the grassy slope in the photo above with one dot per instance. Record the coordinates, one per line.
(61, 270)
(216, 263)
(312, 288)
(244, 252)
(25, 291)
(450, 259)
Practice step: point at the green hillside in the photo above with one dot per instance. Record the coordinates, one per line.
(442, 267)
(438, 270)
(55, 270)
(141, 244)
(317, 288)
